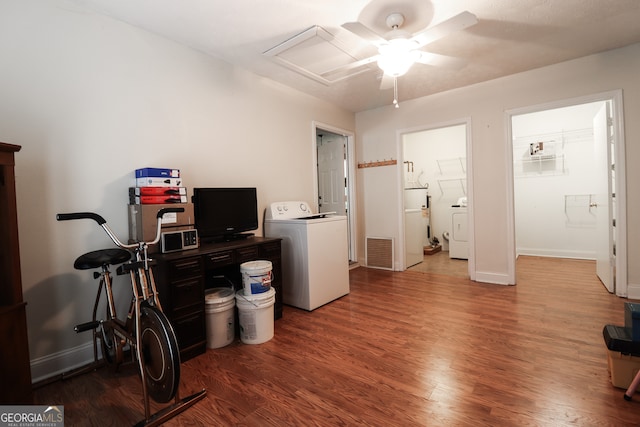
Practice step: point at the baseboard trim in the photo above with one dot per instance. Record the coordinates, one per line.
(492, 278)
(55, 364)
(633, 291)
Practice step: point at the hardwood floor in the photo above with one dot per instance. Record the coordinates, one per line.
(440, 263)
(402, 349)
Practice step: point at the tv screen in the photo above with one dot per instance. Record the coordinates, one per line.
(225, 213)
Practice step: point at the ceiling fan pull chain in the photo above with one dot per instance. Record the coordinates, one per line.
(395, 92)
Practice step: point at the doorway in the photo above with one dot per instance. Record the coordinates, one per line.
(436, 197)
(568, 184)
(334, 166)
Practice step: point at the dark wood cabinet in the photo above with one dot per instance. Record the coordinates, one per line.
(183, 277)
(15, 369)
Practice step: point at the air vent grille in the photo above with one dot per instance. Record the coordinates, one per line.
(379, 252)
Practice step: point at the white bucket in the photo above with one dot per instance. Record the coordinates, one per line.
(219, 309)
(256, 277)
(255, 313)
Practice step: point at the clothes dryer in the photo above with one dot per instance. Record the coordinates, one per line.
(459, 236)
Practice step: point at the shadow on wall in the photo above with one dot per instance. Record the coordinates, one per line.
(54, 307)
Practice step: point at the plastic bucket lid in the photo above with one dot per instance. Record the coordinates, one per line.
(218, 296)
(254, 301)
(255, 267)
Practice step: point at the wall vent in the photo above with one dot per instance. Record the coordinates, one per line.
(379, 252)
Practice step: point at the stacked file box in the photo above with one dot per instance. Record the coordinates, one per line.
(158, 188)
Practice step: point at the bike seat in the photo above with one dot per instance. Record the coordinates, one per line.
(96, 259)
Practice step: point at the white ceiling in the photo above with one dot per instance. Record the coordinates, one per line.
(511, 36)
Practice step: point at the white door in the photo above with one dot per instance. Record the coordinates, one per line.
(602, 203)
(331, 173)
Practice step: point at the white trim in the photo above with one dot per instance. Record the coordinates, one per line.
(351, 179)
(541, 252)
(400, 185)
(492, 278)
(616, 99)
(633, 291)
(511, 215)
(58, 363)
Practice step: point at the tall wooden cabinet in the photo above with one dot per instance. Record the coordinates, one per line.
(15, 371)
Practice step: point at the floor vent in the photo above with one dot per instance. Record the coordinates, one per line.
(379, 252)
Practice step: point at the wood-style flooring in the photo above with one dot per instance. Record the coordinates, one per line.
(402, 349)
(440, 263)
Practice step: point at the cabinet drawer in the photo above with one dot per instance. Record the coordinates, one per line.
(219, 259)
(187, 267)
(189, 329)
(270, 250)
(246, 254)
(187, 292)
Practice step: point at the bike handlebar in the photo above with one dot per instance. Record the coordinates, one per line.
(163, 211)
(81, 215)
(103, 223)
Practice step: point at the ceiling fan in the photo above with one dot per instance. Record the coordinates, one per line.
(398, 50)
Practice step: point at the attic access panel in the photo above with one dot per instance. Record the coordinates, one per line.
(316, 53)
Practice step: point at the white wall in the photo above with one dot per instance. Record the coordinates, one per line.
(91, 99)
(486, 104)
(552, 212)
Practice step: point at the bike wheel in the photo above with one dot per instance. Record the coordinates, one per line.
(160, 354)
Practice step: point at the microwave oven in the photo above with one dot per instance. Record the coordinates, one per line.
(173, 241)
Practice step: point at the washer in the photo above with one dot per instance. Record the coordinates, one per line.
(315, 253)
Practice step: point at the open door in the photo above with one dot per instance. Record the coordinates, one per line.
(602, 204)
(331, 173)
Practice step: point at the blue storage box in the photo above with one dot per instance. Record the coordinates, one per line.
(632, 319)
(157, 173)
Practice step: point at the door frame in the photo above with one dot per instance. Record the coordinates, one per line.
(351, 180)
(471, 264)
(620, 231)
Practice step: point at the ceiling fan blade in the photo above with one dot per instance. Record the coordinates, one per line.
(386, 82)
(438, 60)
(350, 66)
(364, 32)
(444, 28)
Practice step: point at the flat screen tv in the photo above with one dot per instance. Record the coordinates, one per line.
(225, 213)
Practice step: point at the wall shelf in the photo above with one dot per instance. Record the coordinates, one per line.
(455, 165)
(453, 175)
(451, 183)
(544, 154)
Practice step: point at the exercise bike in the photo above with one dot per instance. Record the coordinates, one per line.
(146, 332)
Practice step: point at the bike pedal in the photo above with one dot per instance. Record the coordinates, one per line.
(87, 326)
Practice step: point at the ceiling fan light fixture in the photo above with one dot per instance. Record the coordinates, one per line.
(397, 56)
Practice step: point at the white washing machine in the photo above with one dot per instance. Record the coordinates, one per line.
(315, 253)
(459, 236)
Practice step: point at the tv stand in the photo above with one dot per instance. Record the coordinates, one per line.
(235, 237)
(225, 238)
(183, 276)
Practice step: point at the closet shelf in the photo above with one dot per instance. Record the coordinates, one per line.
(458, 183)
(456, 164)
